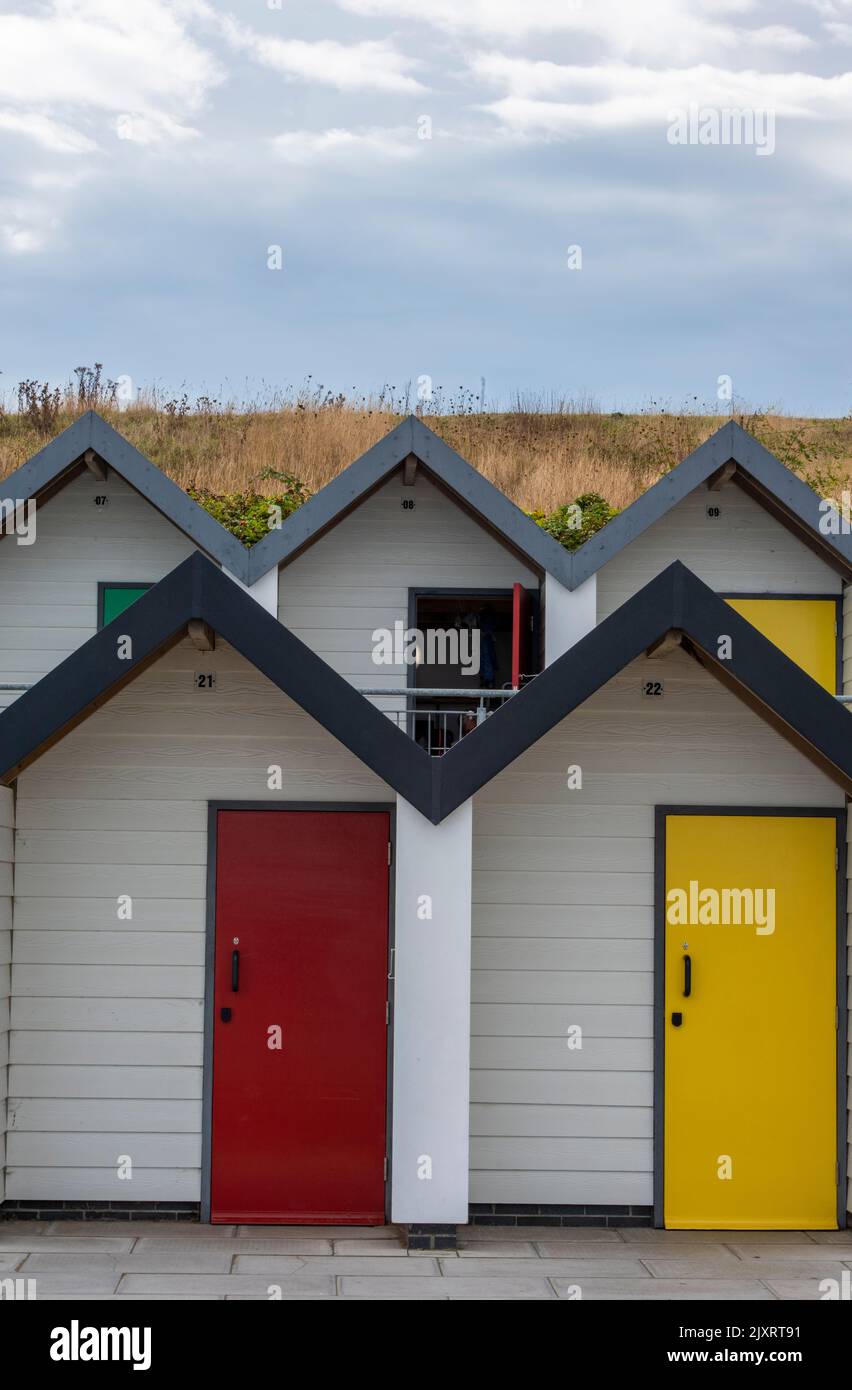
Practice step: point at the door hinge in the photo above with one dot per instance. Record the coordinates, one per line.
(386, 1168)
(387, 1012)
(390, 853)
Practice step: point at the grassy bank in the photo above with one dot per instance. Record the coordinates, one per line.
(541, 456)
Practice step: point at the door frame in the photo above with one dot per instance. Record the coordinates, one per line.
(213, 809)
(838, 814)
(836, 599)
(464, 591)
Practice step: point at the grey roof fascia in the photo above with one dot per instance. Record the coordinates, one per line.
(362, 477)
(93, 432)
(198, 589)
(731, 442)
(435, 786)
(675, 599)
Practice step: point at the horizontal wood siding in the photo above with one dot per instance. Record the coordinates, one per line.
(49, 590)
(7, 822)
(744, 549)
(107, 1015)
(563, 896)
(356, 578)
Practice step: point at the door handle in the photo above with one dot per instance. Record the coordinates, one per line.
(687, 976)
(235, 971)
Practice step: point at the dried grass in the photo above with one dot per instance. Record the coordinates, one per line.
(541, 454)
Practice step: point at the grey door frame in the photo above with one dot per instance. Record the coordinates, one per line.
(213, 809)
(838, 814)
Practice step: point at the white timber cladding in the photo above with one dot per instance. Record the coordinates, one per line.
(50, 589)
(356, 578)
(742, 550)
(7, 822)
(563, 894)
(107, 1015)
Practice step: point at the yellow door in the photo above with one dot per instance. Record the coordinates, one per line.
(804, 629)
(750, 1126)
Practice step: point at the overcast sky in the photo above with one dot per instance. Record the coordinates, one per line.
(548, 237)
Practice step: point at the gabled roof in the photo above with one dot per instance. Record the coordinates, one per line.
(448, 469)
(62, 459)
(755, 470)
(197, 589)
(675, 601)
(751, 467)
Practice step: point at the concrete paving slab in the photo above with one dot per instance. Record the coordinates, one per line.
(239, 1245)
(645, 1235)
(804, 1290)
(571, 1266)
(327, 1232)
(599, 1235)
(678, 1290)
(766, 1269)
(490, 1249)
(753, 1254)
(50, 1244)
(133, 1230)
(376, 1247)
(200, 1261)
(517, 1287)
(406, 1268)
(224, 1284)
(73, 1281)
(553, 1249)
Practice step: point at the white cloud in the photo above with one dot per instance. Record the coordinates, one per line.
(669, 31)
(372, 65)
(549, 99)
(99, 55)
(344, 146)
(51, 135)
(19, 241)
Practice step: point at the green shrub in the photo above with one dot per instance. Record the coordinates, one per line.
(574, 522)
(251, 515)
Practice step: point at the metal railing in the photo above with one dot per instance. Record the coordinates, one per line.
(437, 727)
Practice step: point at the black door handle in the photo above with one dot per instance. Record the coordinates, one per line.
(677, 1020)
(235, 971)
(687, 976)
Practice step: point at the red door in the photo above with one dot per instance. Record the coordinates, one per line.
(300, 1032)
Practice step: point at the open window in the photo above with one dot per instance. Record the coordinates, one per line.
(470, 641)
(113, 598)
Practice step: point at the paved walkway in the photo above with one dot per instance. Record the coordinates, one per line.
(169, 1260)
